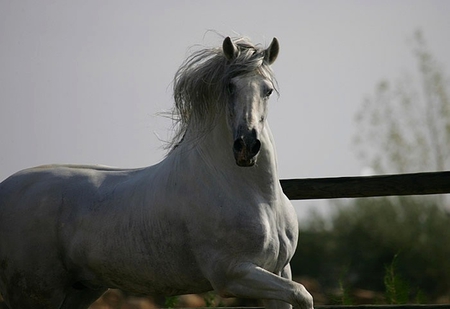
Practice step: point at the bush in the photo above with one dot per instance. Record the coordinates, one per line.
(378, 243)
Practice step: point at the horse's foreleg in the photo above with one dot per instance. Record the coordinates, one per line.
(276, 304)
(250, 281)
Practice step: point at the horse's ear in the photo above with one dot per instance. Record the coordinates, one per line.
(271, 52)
(229, 49)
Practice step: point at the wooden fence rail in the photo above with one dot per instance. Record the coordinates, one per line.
(406, 306)
(385, 307)
(367, 186)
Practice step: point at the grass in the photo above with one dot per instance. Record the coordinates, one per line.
(397, 290)
(171, 301)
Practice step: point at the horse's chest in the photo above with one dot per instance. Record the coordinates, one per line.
(269, 238)
(278, 248)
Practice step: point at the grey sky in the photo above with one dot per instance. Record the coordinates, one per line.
(83, 81)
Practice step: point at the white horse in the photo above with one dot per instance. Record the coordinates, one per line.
(211, 215)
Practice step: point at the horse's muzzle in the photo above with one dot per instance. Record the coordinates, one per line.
(246, 149)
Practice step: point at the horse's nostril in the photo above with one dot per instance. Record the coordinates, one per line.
(238, 145)
(256, 147)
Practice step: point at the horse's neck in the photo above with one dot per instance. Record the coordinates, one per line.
(212, 156)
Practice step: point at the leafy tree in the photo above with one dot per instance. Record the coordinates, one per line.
(396, 245)
(405, 126)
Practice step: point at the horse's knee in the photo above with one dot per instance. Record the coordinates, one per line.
(301, 298)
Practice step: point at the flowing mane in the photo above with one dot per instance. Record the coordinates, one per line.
(201, 85)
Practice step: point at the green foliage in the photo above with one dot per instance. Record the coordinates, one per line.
(344, 290)
(346, 298)
(210, 299)
(171, 301)
(379, 244)
(405, 125)
(397, 289)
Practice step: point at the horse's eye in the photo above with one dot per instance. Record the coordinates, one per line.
(268, 92)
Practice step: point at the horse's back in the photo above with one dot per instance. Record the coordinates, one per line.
(42, 189)
(33, 203)
(26, 196)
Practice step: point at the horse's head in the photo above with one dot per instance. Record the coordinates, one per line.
(234, 81)
(248, 94)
